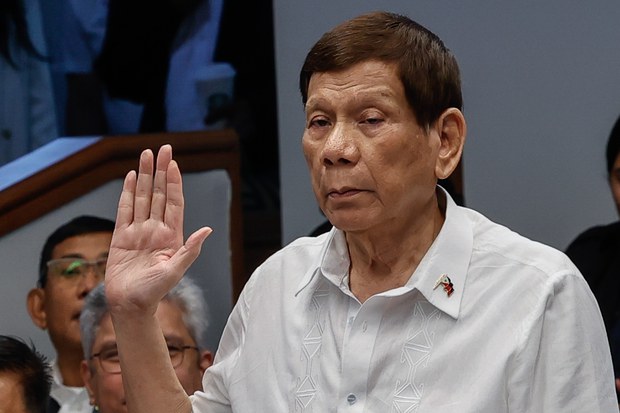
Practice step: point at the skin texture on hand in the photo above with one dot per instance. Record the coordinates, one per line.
(147, 255)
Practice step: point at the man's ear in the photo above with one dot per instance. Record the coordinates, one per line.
(206, 360)
(452, 130)
(87, 378)
(35, 302)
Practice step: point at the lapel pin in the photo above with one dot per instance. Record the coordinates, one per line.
(445, 281)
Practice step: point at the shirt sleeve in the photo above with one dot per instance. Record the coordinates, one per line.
(565, 363)
(214, 398)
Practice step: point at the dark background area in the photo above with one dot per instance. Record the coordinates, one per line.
(246, 41)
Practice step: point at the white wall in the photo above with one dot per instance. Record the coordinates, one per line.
(206, 204)
(541, 84)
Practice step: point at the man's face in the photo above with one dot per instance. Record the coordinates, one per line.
(177, 335)
(62, 298)
(11, 394)
(370, 162)
(106, 389)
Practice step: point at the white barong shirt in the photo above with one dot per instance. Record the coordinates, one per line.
(520, 332)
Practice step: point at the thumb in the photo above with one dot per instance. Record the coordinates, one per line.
(187, 254)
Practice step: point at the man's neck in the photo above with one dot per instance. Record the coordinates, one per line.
(69, 367)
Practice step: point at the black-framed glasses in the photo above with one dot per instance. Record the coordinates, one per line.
(110, 362)
(72, 268)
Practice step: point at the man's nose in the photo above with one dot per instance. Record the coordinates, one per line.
(91, 278)
(340, 147)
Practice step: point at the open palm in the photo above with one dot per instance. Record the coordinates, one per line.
(147, 254)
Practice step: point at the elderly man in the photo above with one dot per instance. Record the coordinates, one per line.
(183, 317)
(410, 303)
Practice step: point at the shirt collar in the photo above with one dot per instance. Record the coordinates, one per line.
(332, 261)
(65, 395)
(449, 255)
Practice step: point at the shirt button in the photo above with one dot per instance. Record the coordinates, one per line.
(351, 398)
(350, 320)
(364, 326)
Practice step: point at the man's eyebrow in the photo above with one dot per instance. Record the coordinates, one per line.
(72, 255)
(104, 254)
(174, 338)
(107, 346)
(179, 341)
(313, 104)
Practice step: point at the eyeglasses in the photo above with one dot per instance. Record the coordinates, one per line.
(73, 268)
(110, 362)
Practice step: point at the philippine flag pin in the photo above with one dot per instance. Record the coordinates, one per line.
(445, 281)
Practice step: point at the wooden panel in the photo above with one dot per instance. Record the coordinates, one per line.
(111, 158)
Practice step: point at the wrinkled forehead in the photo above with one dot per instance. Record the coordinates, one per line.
(366, 80)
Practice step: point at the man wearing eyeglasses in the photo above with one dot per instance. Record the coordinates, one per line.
(72, 263)
(182, 315)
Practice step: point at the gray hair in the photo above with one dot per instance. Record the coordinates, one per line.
(187, 295)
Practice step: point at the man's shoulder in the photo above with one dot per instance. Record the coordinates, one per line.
(500, 243)
(302, 247)
(595, 251)
(295, 258)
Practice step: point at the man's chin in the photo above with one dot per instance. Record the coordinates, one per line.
(350, 225)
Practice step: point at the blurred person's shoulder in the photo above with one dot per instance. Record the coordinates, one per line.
(605, 233)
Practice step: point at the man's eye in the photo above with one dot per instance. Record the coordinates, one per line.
(319, 123)
(75, 268)
(373, 121)
(174, 350)
(110, 355)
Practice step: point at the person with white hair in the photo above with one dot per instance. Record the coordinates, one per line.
(183, 317)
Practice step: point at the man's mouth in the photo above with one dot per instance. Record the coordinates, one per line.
(343, 192)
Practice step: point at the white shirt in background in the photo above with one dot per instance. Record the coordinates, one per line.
(70, 399)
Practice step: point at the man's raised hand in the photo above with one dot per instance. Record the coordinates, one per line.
(147, 254)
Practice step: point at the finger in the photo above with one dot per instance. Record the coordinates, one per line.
(158, 203)
(174, 200)
(187, 254)
(124, 213)
(144, 187)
